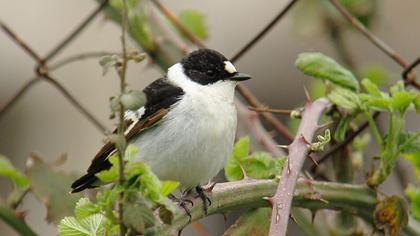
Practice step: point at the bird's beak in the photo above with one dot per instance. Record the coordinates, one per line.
(240, 77)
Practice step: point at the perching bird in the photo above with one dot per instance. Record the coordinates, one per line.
(190, 118)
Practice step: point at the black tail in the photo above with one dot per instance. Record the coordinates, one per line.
(83, 183)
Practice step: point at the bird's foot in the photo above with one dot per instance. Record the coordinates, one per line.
(202, 194)
(183, 202)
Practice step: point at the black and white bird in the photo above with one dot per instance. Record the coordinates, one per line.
(186, 130)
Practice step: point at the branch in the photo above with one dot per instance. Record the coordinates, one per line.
(78, 57)
(15, 38)
(10, 218)
(410, 78)
(406, 73)
(253, 124)
(248, 194)
(298, 151)
(172, 17)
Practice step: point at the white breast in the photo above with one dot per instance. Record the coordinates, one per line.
(197, 135)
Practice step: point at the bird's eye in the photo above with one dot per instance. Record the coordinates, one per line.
(210, 73)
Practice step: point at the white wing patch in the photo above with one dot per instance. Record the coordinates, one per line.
(133, 116)
(229, 67)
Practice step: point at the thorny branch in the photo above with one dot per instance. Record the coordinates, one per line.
(298, 151)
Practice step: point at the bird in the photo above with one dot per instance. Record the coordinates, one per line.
(186, 130)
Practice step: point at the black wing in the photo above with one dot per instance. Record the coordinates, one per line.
(160, 95)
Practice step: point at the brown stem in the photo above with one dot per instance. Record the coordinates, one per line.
(411, 77)
(251, 121)
(271, 110)
(298, 151)
(172, 17)
(19, 41)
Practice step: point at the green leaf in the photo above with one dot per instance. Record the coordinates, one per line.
(138, 214)
(322, 141)
(371, 88)
(377, 74)
(110, 175)
(417, 103)
(89, 226)
(85, 208)
(340, 132)
(414, 196)
(376, 103)
(260, 166)
(8, 171)
(320, 66)
(401, 101)
(107, 62)
(233, 170)
(168, 187)
(52, 188)
(133, 100)
(346, 99)
(253, 223)
(195, 23)
(409, 143)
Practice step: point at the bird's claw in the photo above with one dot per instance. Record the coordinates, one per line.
(203, 196)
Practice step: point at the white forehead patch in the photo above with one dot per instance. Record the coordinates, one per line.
(229, 67)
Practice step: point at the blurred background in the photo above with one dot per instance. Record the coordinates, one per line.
(42, 121)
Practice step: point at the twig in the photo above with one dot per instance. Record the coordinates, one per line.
(172, 17)
(270, 118)
(271, 110)
(78, 57)
(75, 103)
(18, 95)
(298, 151)
(411, 78)
(20, 42)
(408, 69)
(357, 199)
(251, 121)
(121, 127)
(75, 32)
(263, 32)
(10, 218)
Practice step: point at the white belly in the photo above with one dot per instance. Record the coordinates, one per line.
(194, 147)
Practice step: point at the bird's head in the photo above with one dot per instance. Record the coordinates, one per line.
(206, 66)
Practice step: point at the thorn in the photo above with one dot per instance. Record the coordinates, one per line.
(293, 218)
(307, 96)
(224, 214)
(304, 139)
(313, 160)
(209, 187)
(313, 214)
(283, 146)
(269, 200)
(288, 166)
(308, 175)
